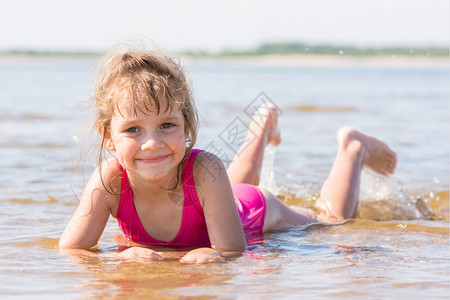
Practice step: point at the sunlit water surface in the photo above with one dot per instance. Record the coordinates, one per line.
(397, 247)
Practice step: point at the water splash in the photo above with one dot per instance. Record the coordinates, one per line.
(383, 198)
(267, 178)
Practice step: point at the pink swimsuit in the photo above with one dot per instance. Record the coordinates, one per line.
(193, 230)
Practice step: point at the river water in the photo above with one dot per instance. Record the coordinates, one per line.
(397, 247)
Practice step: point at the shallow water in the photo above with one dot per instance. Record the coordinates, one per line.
(397, 247)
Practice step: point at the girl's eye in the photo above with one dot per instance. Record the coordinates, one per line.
(131, 130)
(167, 125)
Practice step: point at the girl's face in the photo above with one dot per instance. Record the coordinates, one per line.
(149, 145)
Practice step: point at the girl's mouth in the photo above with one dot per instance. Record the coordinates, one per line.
(152, 160)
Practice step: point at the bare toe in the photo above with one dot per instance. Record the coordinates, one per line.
(266, 118)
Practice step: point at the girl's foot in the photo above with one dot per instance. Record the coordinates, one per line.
(375, 154)
(265, 122)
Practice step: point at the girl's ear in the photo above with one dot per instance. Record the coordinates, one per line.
(106, 136)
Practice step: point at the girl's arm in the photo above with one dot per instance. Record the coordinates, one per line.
(222, 219)
(90, 218)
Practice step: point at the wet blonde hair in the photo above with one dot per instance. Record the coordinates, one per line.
(148, 80)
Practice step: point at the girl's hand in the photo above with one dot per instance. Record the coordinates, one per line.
(140, 254)
(202, 256)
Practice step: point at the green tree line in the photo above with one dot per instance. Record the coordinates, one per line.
(301, 48)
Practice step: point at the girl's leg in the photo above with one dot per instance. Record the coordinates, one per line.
(339, 195)
(280, 215)
(247, 163)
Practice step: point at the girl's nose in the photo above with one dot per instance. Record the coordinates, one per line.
(151, 141)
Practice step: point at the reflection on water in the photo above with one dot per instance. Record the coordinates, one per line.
(111, 278)
(397, 247)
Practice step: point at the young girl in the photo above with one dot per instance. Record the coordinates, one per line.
(163, 192)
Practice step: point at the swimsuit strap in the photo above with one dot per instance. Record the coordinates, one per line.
(124, 182)
(188, 166)
(190, 192)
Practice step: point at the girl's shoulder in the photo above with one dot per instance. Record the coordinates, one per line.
(211, 179)
(111, 173)
(105, 182)
(207, 166)
(110, 166)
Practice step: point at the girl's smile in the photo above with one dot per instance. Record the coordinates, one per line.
(152, 160)
(148, 145)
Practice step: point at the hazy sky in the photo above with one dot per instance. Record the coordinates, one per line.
(177, 25)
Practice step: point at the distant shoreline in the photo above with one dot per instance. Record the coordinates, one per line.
(295, 48)
(285, 49)
(4, 55)
(269, 59)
